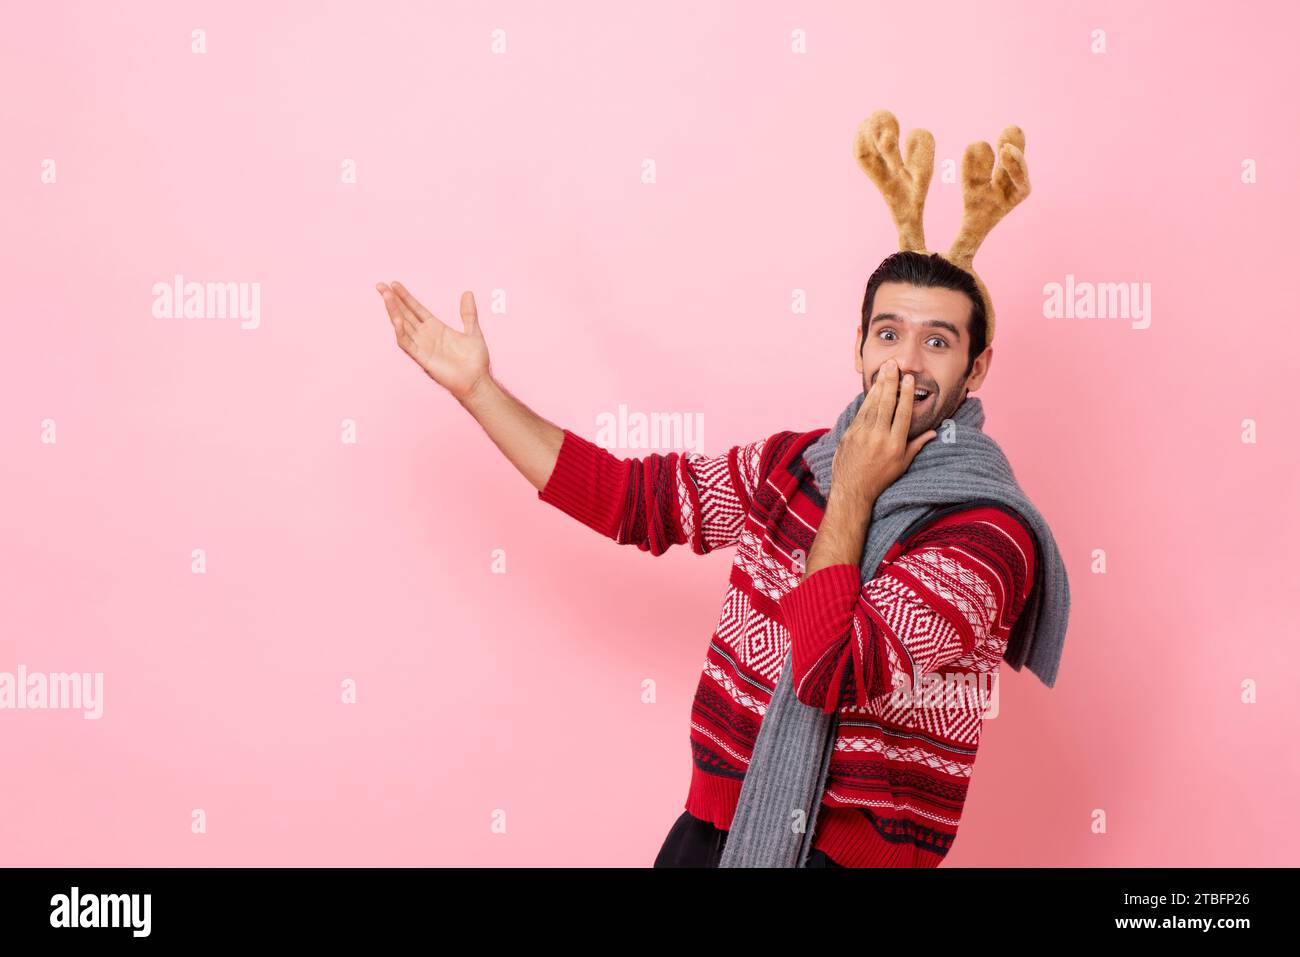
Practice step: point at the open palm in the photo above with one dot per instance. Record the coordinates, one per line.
(454, 360)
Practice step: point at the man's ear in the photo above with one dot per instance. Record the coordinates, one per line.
(857, 350)
(979, 369)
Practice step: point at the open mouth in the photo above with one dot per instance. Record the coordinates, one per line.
(919, 397)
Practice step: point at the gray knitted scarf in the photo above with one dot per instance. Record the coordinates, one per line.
(960, 466)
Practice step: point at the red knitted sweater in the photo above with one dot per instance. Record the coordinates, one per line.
(940, 608)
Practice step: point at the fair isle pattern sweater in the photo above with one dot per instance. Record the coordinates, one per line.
(941, 603)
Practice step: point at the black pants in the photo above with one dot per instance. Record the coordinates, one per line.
(696, 843)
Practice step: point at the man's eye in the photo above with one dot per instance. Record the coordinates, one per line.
(939, 339)
(887, 332)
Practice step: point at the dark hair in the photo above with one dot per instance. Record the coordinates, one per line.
(919, 269)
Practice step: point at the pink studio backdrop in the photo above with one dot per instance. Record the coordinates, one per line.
(480, 693)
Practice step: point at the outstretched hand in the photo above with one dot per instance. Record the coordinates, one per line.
(457, 361)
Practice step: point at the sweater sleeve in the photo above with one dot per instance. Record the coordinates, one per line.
(956, 589)
(660, 500)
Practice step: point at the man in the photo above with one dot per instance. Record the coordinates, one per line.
(944, 601)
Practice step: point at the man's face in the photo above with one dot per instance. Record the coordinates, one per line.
(926, 330)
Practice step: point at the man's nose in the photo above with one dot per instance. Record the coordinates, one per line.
(909, 360)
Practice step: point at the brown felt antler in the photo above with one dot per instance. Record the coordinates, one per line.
(988, 193)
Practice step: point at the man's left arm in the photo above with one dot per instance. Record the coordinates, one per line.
(957, 586)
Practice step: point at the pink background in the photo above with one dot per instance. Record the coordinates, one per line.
(521, 172)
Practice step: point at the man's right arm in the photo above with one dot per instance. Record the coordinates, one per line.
(655, 502)
(530, 442)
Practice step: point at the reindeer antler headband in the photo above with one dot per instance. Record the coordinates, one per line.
(988, 194)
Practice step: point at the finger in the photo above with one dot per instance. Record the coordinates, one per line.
(903, 414)
(408, 343)
(888, 395)
(407, 321)
(867, 411)
(404, 341)
(397, 311)
(469, 313)
(411, 303)
(878, 389)
(395, 305)
(918, 443)
(394, 318)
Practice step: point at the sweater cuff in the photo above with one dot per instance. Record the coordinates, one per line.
(818, 613)
(588, 483)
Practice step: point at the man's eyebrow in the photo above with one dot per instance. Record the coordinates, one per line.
(941, 323)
